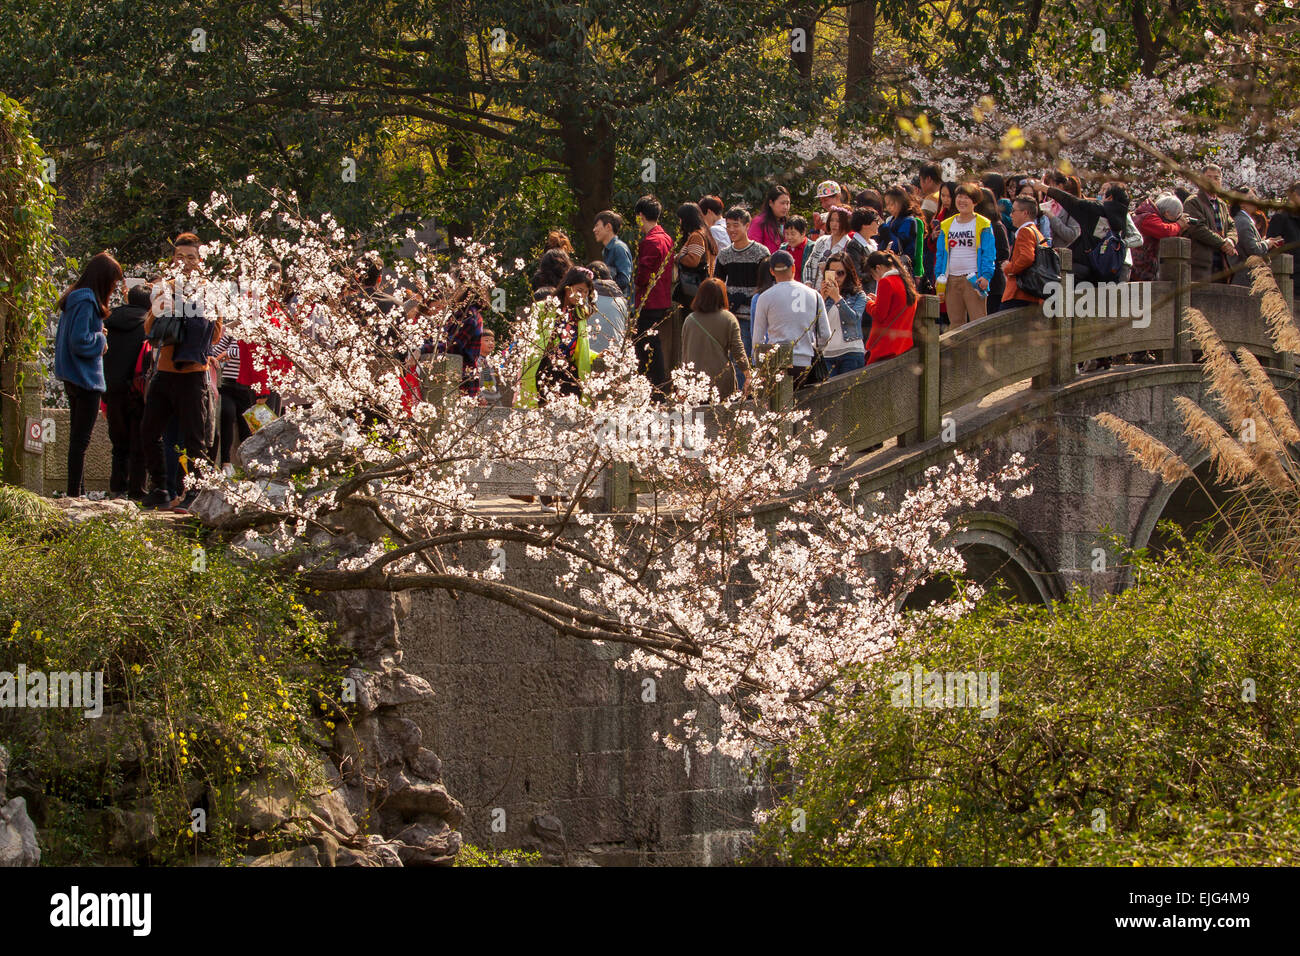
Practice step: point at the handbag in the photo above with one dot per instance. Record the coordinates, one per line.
(690, 278)
(1045, 269)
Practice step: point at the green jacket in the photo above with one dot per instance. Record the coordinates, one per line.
(581, 356)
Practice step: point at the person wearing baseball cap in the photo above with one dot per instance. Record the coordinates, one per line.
(792, 312)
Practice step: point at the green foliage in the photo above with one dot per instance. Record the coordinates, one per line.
(471, 855)
(1122, 736)
(26, 235)
(27, 289)
(211, 678)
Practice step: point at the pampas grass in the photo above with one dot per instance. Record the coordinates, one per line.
(1151, 453)
(1254, 461)
(1272, 305)
(1233, 466)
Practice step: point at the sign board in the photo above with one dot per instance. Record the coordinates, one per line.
(34, 441)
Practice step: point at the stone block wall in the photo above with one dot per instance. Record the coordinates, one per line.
(534, 728)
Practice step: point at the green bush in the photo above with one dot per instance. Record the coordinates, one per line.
(1125, 733)
(213, 674)
(471, 855)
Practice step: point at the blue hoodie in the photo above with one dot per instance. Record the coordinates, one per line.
(79, 342)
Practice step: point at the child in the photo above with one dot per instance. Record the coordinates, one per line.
(489, 392)
(796, 240)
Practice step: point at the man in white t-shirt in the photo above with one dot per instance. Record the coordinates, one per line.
(791, 312)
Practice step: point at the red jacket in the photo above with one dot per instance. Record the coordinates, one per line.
(261, 357)
(891, 320)
(1022, 257)
(655, 249)
(1154, 227)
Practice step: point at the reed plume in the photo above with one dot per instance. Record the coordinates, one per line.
(1149, 452)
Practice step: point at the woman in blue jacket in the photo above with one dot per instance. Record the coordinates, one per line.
(79, 347)
(965, 258)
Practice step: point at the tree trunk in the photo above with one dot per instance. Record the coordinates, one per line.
(859, 85)
(802, 18)
(588, 158)
(1147, 46)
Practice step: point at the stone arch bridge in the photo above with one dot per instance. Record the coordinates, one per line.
(1008, 384)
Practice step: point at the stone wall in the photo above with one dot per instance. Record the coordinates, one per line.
(99, 456)
(546, 729)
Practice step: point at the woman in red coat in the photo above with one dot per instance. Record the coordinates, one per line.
(891, 308)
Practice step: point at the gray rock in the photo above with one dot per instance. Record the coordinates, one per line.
(129, 833)
(549, 831)
(350, 856)
(263, 804)
(389, 688)
(428, 844)
(426, 798)
(279, 448)
(331, 807)
(4, 771)
(383, 851)
(428, 765)
(327, 848)
(77, 510)
(299, 856)
(256, 546)
(18, 846)
(212, 508)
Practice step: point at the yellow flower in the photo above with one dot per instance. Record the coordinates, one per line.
(1013, 139)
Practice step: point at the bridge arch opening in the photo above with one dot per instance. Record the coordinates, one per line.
(1194, 505)
(1000, 559)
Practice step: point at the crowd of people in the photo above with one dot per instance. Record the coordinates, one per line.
(840, 287)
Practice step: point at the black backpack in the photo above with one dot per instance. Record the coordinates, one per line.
(1106, 258)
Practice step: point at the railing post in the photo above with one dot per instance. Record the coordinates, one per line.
(1067, 260)
(1284, 273)
(440, 378)
(1060, 335)
(776, 397)
(1176, 267)
(925, 337)
(22, 467)
(619, 496)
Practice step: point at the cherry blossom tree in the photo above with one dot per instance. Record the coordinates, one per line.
(742, 568)
(998, 117)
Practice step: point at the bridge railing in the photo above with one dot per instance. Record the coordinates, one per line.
(903, 397)
(906, 397)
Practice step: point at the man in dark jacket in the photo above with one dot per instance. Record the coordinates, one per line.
(1112, 206)
(124, 403)
(1213, 235)
(1285, 224)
